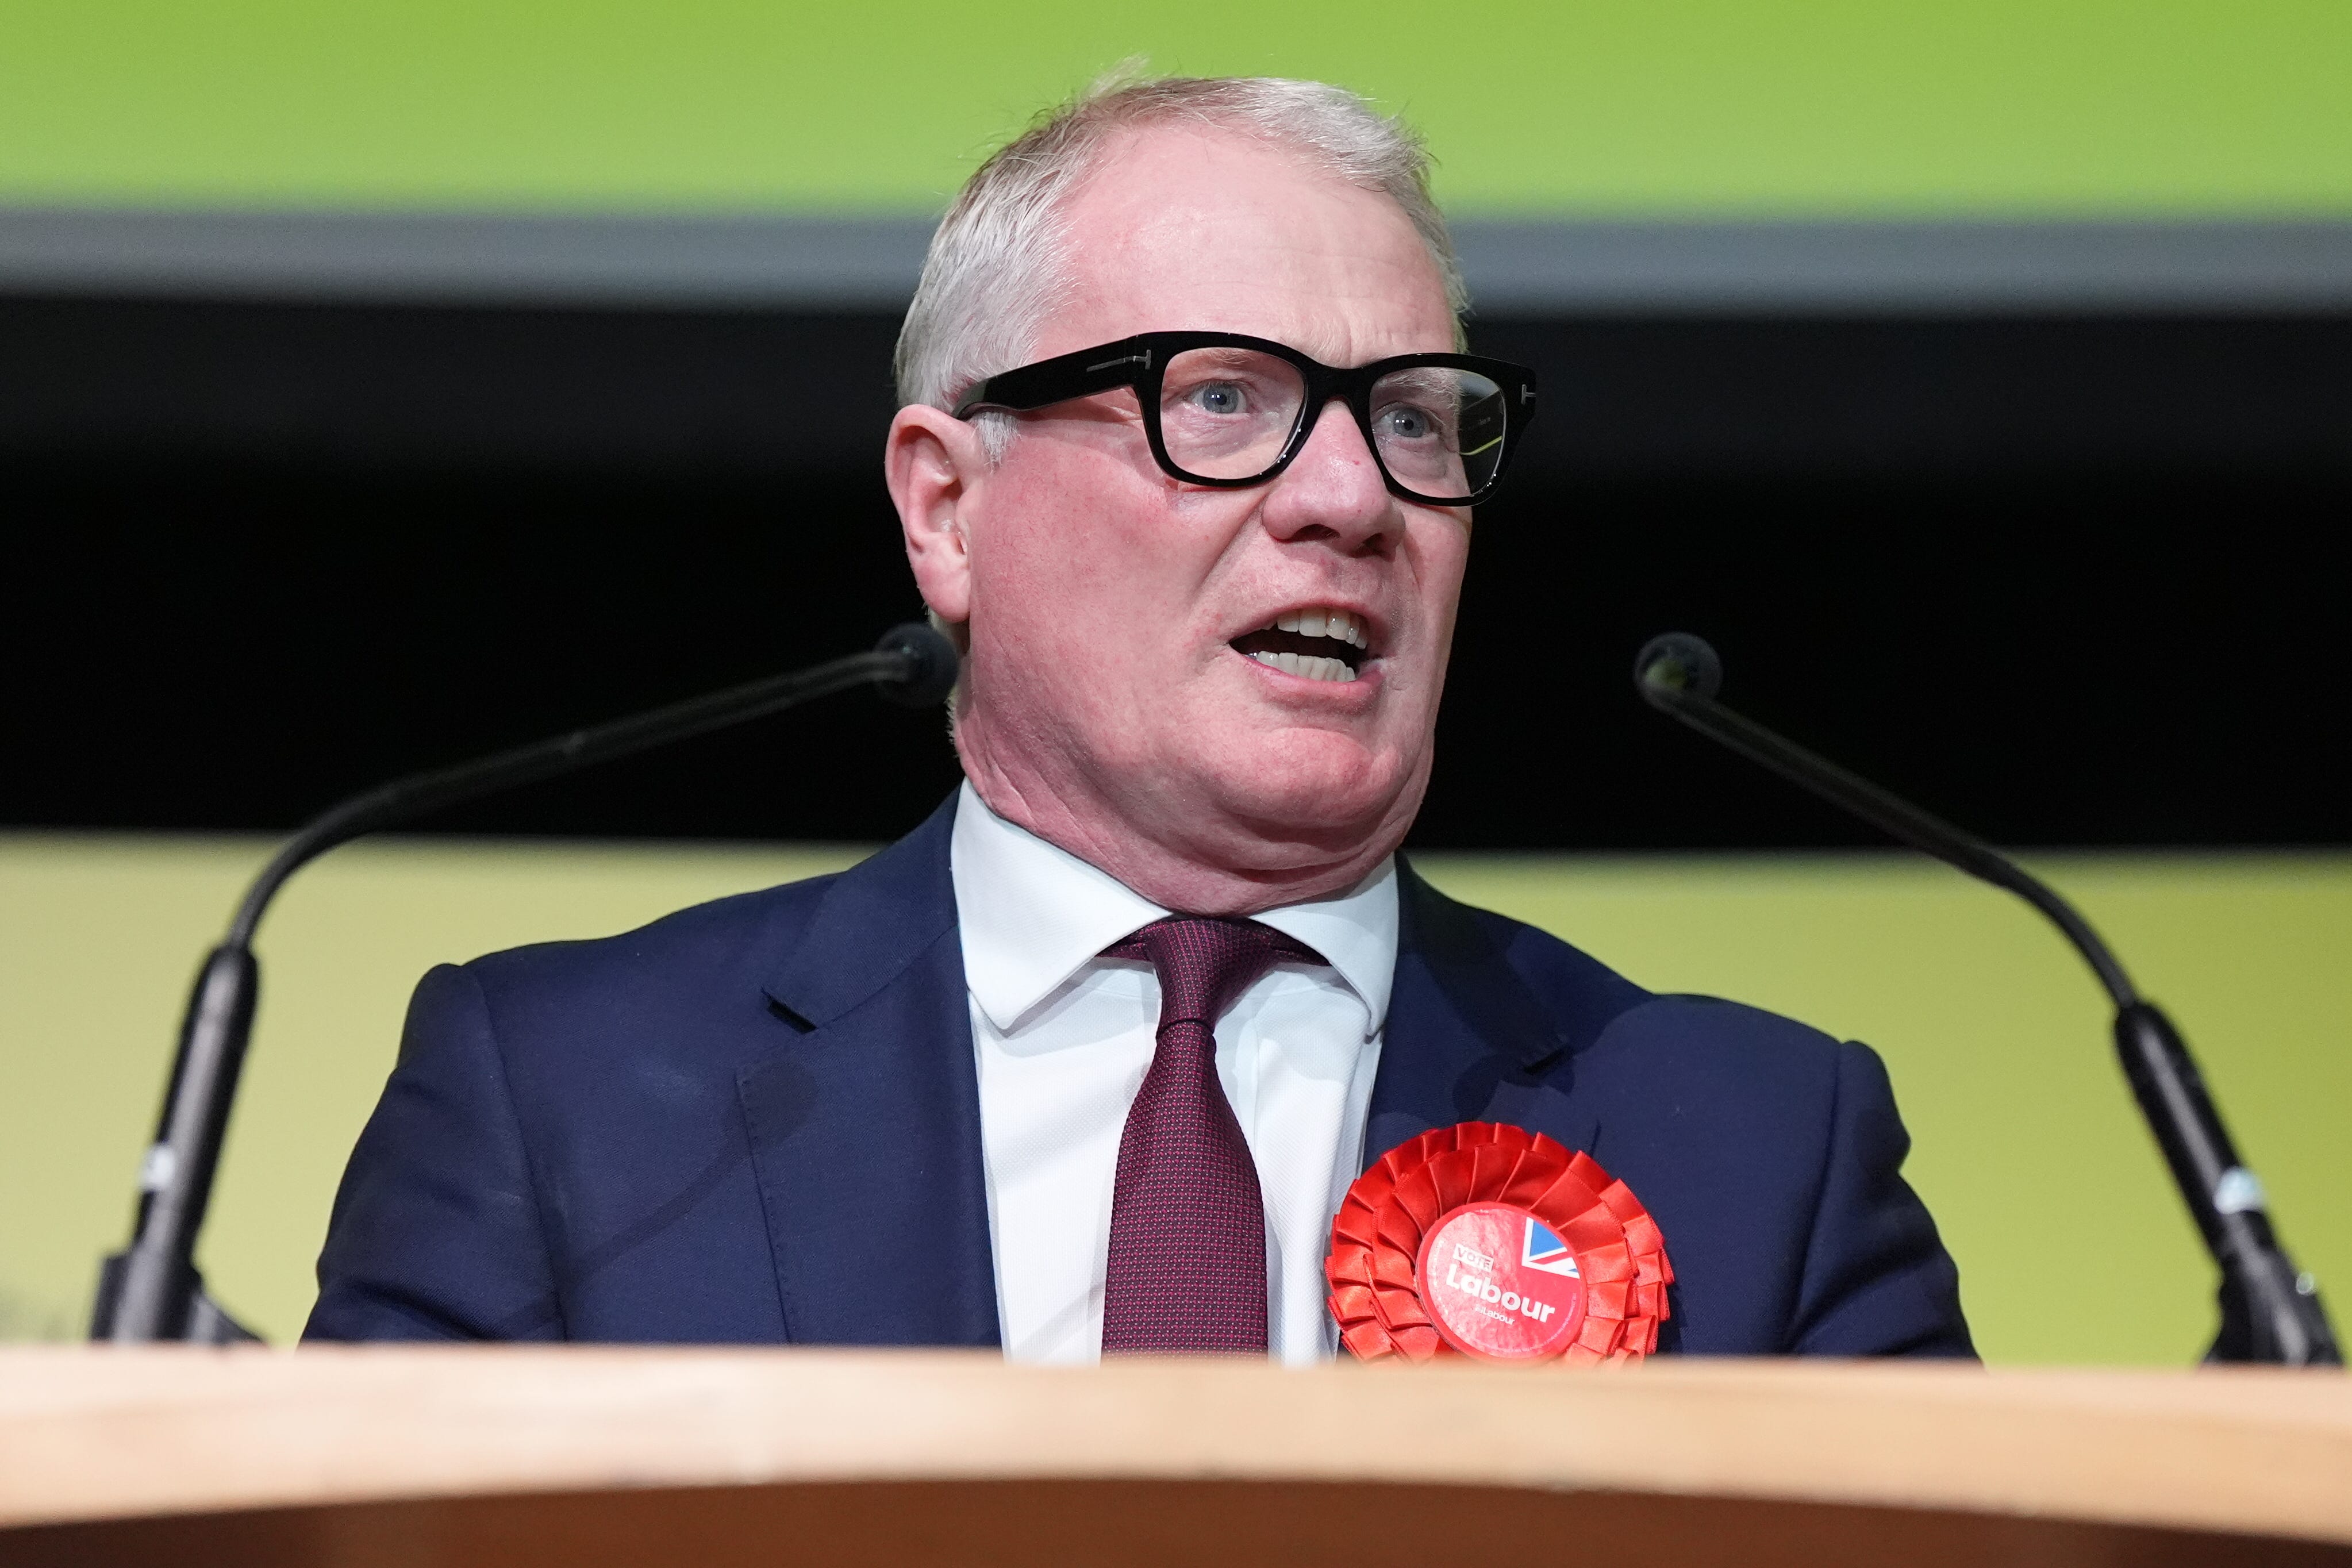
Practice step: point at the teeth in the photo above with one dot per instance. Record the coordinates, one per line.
(1338, 624)
(1310, 666)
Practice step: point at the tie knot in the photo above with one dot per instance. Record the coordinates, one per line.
(1204, 965)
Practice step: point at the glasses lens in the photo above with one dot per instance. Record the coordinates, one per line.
(1226, 413)
(1440, 430)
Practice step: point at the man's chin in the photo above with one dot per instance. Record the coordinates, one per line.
(1300, 813)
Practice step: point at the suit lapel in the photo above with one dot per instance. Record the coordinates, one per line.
(865, 1117)
(1465, 1035)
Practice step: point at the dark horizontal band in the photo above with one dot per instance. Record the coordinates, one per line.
(870, 263)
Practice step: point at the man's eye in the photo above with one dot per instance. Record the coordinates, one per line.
(1407, 424)
(1219, 397)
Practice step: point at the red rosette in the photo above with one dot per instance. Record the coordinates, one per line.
(1488, 1241)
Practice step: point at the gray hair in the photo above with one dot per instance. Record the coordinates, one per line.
(995, 265)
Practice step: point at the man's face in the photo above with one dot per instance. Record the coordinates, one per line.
(1113, 705)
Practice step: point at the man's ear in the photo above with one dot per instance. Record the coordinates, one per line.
(934, 463)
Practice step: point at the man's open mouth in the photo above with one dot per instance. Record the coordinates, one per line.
(1318, 644)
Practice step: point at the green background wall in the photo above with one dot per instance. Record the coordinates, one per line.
(1716, 107)
(2072, 1247)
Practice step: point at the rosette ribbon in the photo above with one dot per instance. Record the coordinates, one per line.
(1429, 1236)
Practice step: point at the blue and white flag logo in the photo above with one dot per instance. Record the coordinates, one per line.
(1546, 1252)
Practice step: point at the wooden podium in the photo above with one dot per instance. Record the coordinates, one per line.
(707, 1458)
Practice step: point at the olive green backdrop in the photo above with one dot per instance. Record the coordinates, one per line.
(1703, 107)
(2070, 1244)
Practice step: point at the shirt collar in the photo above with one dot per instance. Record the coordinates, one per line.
(1031, 914)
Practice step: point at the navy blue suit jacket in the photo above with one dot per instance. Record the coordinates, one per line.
(758, 1121)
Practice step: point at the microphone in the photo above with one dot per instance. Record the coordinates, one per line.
(2270, 1310)
(151, 1291)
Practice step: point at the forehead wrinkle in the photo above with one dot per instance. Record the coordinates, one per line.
(1352, 313)
(1141, 248)
(1342, 315)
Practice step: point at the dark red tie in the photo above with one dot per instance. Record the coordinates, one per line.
(1186, 1221)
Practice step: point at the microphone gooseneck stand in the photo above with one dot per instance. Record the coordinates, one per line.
(2270, 1310)
(151, 1290)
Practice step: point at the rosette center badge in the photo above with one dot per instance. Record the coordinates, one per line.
(1492, 1242)
(1497, 1283)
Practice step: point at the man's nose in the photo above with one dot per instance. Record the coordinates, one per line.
(1333, 489)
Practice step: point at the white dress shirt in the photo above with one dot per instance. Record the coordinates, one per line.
(1063, 1036)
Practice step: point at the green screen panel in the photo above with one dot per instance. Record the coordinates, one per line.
(2072, 1244)
(1695, 107)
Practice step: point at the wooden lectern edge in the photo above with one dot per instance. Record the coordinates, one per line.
(90, 1433)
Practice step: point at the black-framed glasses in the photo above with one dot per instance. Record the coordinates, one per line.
(1231, 411)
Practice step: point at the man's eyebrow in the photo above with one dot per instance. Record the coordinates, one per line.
(1423, 378)
(1224, 353)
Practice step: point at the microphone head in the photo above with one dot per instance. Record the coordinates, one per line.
(932, 665)
(1676, 664)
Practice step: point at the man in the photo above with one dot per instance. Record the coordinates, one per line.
(1086, 1063)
